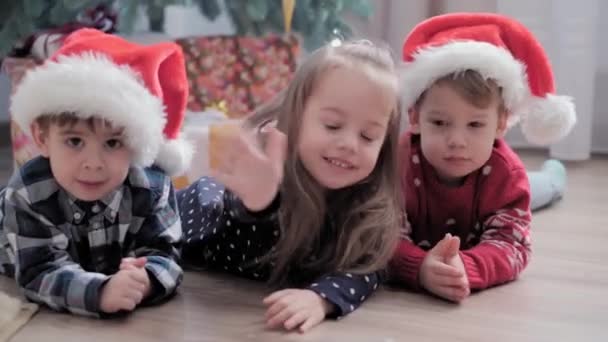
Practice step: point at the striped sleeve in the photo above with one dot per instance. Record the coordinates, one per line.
(159, 240)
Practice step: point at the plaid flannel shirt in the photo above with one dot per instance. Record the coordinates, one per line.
(61, 251)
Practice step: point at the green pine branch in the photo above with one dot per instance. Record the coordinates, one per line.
(316, 21)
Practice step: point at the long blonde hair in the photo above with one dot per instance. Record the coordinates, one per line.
(365, 217)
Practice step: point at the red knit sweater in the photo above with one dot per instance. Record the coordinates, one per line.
(490, 213)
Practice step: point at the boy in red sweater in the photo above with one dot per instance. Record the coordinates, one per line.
(467, 79)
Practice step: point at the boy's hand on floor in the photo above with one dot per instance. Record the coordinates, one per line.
(295, 308)
(452, 258)
(138, 265)
(137, 262)
(125, 290)
(446, 280)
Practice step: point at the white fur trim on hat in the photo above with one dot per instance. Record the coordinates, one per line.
(432, 63)
(91, 85)
(547, 119)
(175, 156)
(544, 120)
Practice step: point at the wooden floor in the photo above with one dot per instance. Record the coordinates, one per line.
(562, 296)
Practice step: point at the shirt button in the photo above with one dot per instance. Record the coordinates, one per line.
(77, 216)
(96, 208)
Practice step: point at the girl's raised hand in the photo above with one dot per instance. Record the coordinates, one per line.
(253, 174)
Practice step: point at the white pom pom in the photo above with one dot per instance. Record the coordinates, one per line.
(175, 156)
(547, 120)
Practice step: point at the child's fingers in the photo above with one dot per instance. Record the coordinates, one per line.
(460, 282)
(127, 260)
(296, 320)
(245, 146)
(273, 297)
(440, 248)
(278, 305)
(125, 266)
(278, 319)
(121, 301)
(459, 294)
(269, 125)
(274, 309)
(227, 173)
(466, 292)
(238, 149)
(311, 322)
(135, 295)
(137, 286)
(446, 270)
(223, 163)
(128, 304)
(140, 262)
(453, 247)
(139, 275)
(276, 147)
(454, 294)
(137, 262)
(245, 151)
(456, 241)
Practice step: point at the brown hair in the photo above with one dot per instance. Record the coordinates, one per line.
(364, 218)
(473, 87)
(69, 119)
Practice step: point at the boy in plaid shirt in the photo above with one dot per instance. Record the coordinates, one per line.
(92, 226)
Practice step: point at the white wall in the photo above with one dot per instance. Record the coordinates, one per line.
(600, 123)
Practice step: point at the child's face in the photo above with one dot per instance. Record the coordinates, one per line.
(456, 137)
(343, 127)
(87, 163)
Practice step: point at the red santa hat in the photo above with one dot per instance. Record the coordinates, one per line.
(499, 48)
(141, 88)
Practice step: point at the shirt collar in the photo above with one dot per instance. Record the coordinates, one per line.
(109, 204)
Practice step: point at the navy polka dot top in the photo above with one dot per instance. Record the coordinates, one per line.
(220, 233)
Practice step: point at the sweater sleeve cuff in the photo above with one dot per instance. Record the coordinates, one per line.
(165, 276)
(92, 296)
(405, 265)
(474, 274)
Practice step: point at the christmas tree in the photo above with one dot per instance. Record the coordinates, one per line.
(316, 21)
